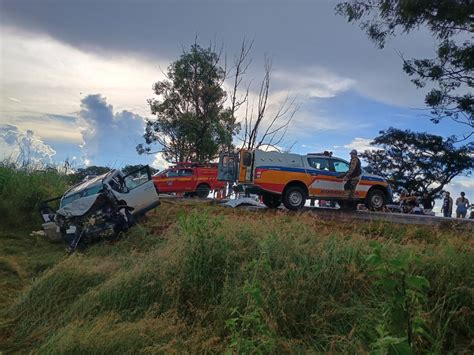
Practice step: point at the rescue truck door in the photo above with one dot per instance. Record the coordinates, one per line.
(340, 167)
(227, 169)
(165, 180)
(245, 174)
(184, 180)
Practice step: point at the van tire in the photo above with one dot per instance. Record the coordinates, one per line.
(271, 200)
(294, 198)
(203, 190)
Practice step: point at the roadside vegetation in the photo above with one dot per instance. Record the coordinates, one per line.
(195, 278)
(23, 189)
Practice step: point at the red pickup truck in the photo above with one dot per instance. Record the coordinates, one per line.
(192, 179)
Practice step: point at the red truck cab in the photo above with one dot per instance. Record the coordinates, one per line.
(192, 179)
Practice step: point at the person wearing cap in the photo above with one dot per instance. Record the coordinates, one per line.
(462, 204)
(352, 177)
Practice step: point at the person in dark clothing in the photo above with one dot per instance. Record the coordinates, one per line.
(447, 207)
(352, 177)
(427, 202)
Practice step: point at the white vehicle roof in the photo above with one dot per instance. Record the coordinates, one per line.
(277, 158)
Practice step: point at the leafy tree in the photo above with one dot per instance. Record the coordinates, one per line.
(450, 22)
(191, 122)
(130, 168)
(417, 162)
(92, 170)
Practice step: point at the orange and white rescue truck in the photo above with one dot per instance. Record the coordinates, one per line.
(291, 179)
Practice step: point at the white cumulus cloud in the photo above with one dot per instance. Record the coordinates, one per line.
(313, 82)
(107, 134)
(160, 162)
(360, 144)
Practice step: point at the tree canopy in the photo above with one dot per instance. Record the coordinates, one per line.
(417, 162)
(191, 122)
(127, 169)
(451, 71)
(92, 170)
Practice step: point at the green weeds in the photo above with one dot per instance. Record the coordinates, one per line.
(405, 296)
(206, 279)
(22, 191)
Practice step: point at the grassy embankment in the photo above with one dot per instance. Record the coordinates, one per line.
(194, 278)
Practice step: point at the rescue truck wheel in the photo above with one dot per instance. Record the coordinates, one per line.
(203, 190)
(271, 200)
(376, 199)
(294, 198)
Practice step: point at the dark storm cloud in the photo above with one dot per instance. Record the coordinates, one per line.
(297, 34)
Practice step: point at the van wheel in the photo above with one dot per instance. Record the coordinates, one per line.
(203, 190)
(376, 199)
(271, 200)
(294, 198)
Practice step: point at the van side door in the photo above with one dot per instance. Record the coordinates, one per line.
(139, 190)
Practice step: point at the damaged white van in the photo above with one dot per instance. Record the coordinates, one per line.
(101, 207)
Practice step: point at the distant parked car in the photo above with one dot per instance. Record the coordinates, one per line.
(100, 207)
(192, 179)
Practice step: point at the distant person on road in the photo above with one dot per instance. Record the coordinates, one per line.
(352, 177)
(462, 204)
(447, 207)
(427, 202)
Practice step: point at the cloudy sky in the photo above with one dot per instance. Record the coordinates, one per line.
(75, 76)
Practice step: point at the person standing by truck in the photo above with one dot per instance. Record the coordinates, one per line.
(462, 204)
(447, 207)
(352, 177)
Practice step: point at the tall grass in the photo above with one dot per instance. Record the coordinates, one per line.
(21, 192)
(194, 279)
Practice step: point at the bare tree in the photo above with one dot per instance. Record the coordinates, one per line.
(275, 127)
(260, 129)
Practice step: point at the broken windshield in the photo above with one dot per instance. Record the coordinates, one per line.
(87, 192)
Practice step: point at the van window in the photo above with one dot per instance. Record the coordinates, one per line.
(137, 178)
(319, 163)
